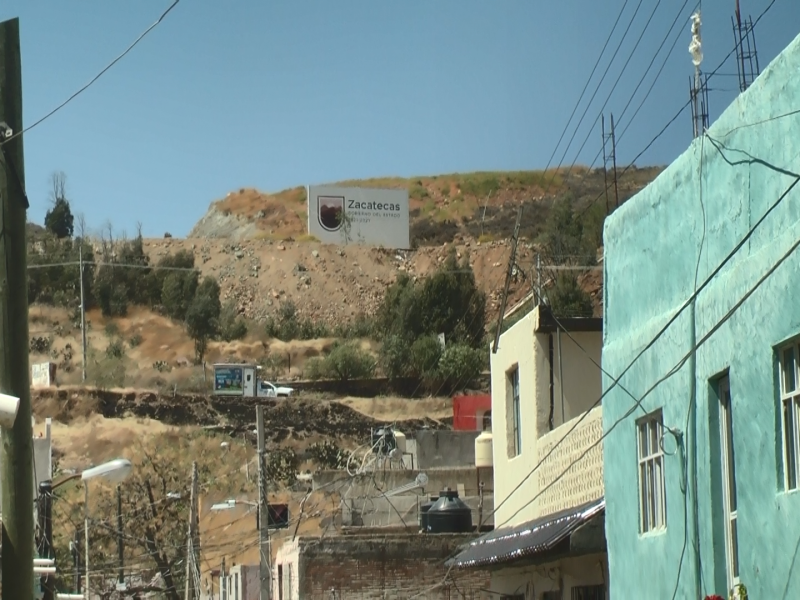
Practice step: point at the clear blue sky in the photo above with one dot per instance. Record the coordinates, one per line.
(272, 94)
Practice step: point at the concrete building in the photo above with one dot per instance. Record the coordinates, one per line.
(701, 324)
(373, 566)
(548, 469)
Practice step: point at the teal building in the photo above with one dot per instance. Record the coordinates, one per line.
(702, 347)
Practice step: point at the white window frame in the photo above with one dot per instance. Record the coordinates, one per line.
(652, 493)
(729, 480)
(516, 410)
(790, 412)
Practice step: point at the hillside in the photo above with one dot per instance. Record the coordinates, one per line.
(442, 206)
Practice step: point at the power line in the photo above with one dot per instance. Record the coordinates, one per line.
(677, 367)
(678, 114)
(96, 77)
(586, 85)
(659, 334)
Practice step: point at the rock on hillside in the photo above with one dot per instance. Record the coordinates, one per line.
(442, 206)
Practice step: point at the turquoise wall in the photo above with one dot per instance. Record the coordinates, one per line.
(690, 218)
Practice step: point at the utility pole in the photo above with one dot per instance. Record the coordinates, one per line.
(265, 568)
(614, 160)
(16, 450)
(512, 260)
(83, 315)
(120, 542)
(193, 551)
(223, 585)
(46, 528)
(76, 559)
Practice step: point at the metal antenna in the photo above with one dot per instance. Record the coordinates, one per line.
(746, 53)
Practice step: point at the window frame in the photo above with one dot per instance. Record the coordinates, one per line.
(650, 467)
(729, 496)
(588, 592)
(512, 381)
(790, 415)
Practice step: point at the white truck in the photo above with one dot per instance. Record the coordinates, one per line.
(241, 379)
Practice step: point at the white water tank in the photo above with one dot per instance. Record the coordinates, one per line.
(400, 440)
(483, 450)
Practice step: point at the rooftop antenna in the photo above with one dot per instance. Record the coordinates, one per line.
(698, 87)
(746, 53)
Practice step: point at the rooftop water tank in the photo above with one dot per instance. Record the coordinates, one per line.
(483, 450)
(449, 514)
(423, 513)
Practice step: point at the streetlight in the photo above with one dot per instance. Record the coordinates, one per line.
(114, 471)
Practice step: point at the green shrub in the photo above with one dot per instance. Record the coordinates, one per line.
(347, 361)
(425, 354)
(115, 349)
(394, 357)
(112, 329)
(316, 368)
(135, 340)
(232, 326)
(459, 366)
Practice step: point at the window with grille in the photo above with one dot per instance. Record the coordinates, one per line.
(589, 592)
(790, 405)
(652, 497)
(513, 408)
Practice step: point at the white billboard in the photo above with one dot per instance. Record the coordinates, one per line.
(375, 217)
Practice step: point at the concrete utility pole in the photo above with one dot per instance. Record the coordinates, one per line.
(265, 567)
(193, 553)
(16, 450)
(83, 315)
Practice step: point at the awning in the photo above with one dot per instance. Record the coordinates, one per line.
(528, 539)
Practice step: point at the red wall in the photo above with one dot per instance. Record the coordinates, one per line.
(465, 409)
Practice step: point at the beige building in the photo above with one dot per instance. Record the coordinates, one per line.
(549, 537)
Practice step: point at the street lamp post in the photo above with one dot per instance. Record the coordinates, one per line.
(114, 471)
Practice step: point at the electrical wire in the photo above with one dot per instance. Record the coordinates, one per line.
(675, 117)
(95, 78)
(677, 367)
(658, 335)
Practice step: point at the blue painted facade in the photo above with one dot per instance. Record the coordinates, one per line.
(659, 247)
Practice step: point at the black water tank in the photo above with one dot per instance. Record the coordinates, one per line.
(449, 514)
(423, 513)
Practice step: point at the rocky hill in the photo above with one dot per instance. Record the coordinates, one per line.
(442, 206)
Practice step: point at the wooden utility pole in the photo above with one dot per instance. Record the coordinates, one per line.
(83, 315)
(120, 542)
(193, 551)
(265, 568)
(16, 450)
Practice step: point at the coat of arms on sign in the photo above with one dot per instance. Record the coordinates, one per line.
(330, 212)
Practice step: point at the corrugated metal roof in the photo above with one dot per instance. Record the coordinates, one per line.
(529, 538)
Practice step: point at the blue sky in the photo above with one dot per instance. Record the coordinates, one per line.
(251, 93)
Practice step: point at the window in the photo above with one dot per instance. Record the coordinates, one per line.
(554, 595)
(515, 443)
(790, 401)
(513, 597)
(280, 582)
(652, 500)
(487, 421)
(589, 592)
(729, 480)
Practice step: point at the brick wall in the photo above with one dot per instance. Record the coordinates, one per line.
(367, 567)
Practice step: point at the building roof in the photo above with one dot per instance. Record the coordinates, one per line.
(527, 539)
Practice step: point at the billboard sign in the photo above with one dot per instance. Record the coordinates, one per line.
(228, 380)
(375, 217)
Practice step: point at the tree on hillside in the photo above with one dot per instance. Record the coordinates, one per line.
(59, 219)
(449, 302)
(202, 316)
(567, 298)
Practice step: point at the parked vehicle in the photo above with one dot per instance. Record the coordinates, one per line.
(270, 390)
